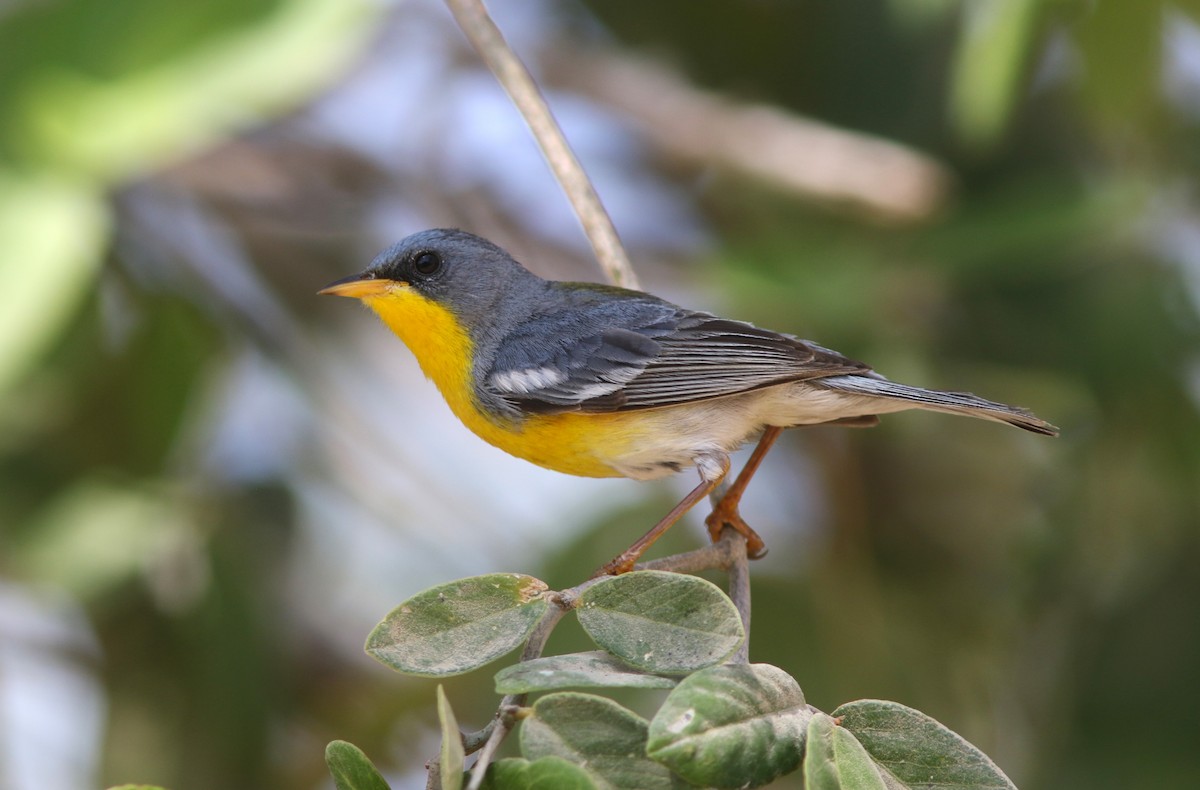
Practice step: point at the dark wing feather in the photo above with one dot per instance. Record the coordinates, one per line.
(590, 345)
(709, 357)
(599, 354)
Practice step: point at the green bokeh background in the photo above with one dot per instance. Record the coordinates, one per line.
(1038, 596)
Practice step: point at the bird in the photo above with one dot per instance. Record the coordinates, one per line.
(599, 381)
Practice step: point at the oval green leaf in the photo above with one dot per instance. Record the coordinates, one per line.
(835, 760)
(609, 741)
(739, 725)
(594, 669)
(547, 773)
(351, 769)
(661, 622)
(918, 751)
(452, 754)
(460, 626)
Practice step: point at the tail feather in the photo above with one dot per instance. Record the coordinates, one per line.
(963, 403)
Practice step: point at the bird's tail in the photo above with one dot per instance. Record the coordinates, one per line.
(935, 400)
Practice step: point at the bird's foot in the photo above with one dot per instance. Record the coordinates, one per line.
(728, 516)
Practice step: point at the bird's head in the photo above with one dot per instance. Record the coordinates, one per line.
(450, 270)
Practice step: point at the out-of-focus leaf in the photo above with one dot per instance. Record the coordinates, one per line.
(136, 787)
(661, 622)
(98, 535)
(546, 773)
(917, 750)
(738, 725)
(919, 14)
(351, 769)
(835, 760)
(452, 753)
(113, 128)
(595, 669)
(52, 233)
(459, 626)
(1011, 233)
(1122, 48)
(596, 733)
(993, 56)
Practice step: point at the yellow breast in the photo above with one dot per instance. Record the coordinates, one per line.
(576, 444)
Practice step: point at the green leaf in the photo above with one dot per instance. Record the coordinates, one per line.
(450, 760)
(351, 769)
(136, 787)
(1124, 89)
(46, 273)
(594, 669)
(547, 773)
(992, 61)
(918, 751)
(143, 117)
(661, 622)
(739, 725)
(835, 760)
(460, 626)
(598, 734)
(96, 535)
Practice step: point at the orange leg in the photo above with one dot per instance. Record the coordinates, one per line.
(624, 562)
(726, 514)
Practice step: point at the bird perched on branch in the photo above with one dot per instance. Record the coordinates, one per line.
(599, 381)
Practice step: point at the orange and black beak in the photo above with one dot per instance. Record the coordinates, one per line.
(359, 286)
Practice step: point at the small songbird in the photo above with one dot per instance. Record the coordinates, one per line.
(599, 381)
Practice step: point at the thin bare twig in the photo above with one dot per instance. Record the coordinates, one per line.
(714, 556)
(739, 588)
(737, 565)
(483, 34)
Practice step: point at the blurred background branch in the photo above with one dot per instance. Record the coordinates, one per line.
(871, 176)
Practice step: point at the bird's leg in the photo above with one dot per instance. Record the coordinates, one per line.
(624, 562)
(726, 514)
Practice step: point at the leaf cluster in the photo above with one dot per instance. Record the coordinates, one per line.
(722, 724)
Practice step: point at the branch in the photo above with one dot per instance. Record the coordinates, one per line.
(739, 588)
(887, 181)
(483, 34)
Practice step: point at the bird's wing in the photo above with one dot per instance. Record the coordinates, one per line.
(602, 354)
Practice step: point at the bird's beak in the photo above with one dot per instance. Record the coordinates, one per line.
(358, 286)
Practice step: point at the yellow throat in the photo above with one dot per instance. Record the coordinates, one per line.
(571, 443)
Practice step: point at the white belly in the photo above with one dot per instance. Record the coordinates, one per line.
(711, 429)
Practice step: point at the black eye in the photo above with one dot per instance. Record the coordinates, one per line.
(427, 263)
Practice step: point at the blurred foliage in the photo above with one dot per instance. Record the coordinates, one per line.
(1032, 595)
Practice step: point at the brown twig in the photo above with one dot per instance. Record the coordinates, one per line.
(739, 588)
(483, 34)
(503, 723)
(736, 563)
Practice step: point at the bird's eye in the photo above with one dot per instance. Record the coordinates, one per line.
(427, 263)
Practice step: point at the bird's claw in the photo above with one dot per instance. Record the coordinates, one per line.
(719, 519)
